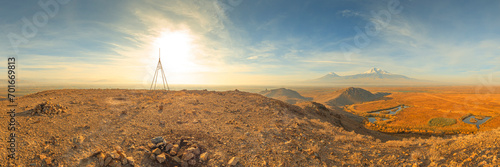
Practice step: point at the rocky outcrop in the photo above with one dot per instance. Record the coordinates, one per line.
(181, 152)
(48, 108)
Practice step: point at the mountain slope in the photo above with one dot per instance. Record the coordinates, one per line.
(286, 95)
(348, 96)
(329, 76)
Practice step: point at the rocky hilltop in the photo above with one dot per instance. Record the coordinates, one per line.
(206, 128)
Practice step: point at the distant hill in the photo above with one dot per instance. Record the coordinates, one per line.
(374, 76)
(286, 95)
(348, 96)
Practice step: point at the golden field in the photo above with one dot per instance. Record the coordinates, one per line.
(426, 103)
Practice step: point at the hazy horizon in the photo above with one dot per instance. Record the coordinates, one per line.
(243, 42)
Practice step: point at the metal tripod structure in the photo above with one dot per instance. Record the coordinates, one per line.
(155, 77)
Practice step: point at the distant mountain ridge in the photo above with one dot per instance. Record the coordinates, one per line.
(372, 76)
(372, 73)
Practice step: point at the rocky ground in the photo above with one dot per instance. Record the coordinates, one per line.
(206, 128)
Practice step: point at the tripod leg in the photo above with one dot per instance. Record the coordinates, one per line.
(154, 77)
(164, 78)
(156, 80)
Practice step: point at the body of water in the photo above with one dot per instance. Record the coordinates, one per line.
(373, 119)
(479, 122)
(391, 111)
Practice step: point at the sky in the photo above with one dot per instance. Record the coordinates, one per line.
(249, 42)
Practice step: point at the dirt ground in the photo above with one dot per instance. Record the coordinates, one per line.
(234, 128)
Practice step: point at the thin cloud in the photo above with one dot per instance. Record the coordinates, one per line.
(226, 43)
(348, 13)
(269, 23)
(326, 61)
(253, 57)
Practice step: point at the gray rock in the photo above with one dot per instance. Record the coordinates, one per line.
(78, 139)
(184, 164)
(152, 157)
(101, 157)
(108, 160)
(192, 162)
(187, 156)
(115, 163)
(156, 151)
(174, 150)
(157, 140)
(161, 158)
(114, 155)
(119, 149)
(151, 145)
(176, 159)
(197, 151)
(194, 150)
(124, 160)
(160, 144)
(168, 147)
(173, 153)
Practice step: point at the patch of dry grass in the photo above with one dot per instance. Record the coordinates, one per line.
(442, 122)
(454, 103)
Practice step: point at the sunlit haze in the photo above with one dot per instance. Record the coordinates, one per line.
(247, 42)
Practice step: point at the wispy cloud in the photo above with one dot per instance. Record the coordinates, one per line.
(270, 22)
(252, 41)
(326, 61)
(348, 13)
(412, 43)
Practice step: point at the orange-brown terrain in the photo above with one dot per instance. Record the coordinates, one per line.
(113, 127)
(425, 104)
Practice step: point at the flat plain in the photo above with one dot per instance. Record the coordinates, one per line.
(425, 103)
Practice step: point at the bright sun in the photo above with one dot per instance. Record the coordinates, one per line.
(176, 51)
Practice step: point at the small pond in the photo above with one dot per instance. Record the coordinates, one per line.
(373, 119)
(479, 122)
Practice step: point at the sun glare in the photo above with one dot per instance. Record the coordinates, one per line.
(176, 51)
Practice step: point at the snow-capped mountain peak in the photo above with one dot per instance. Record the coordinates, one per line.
(372, 76)
(376, 71)
(332, 74)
